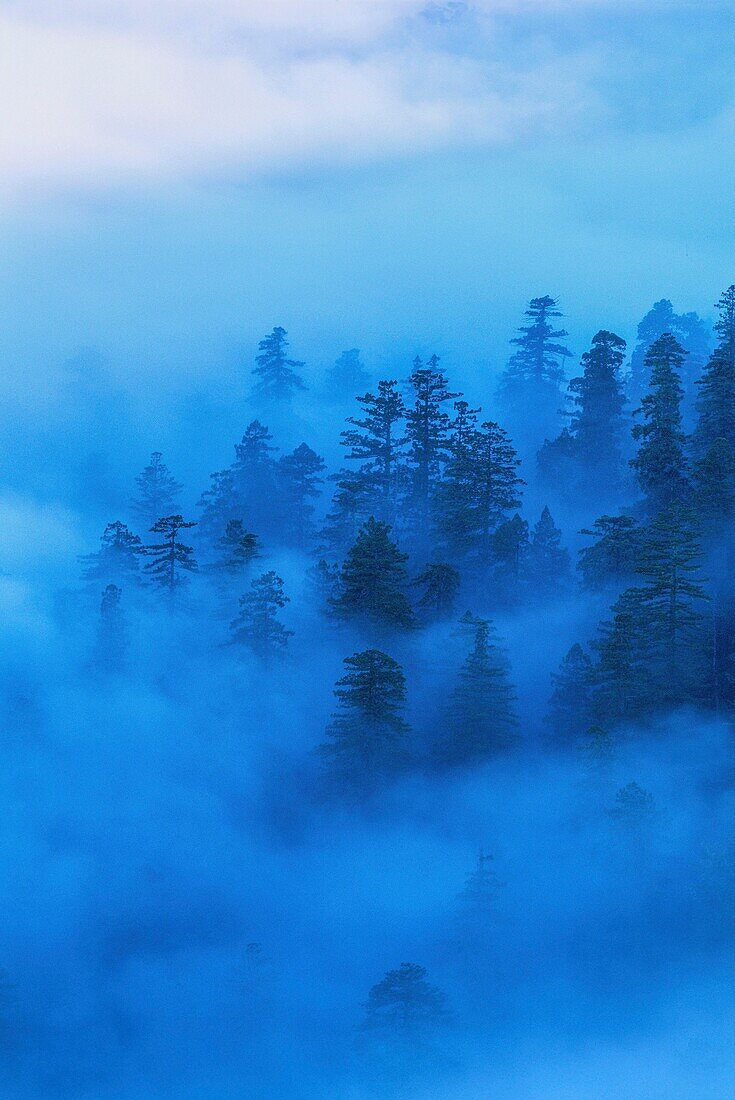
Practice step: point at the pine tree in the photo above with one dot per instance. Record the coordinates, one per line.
(374, 580)
(496, 483)
(366, 736)
(403, 1007)
(691, 332)
(239, 549)
(597, 423)
(170, 560)
(611, 560)
(481, 718)
(111, 643)
(478, 902)
(375, 440)
(714, 486)
(455, 519)
(348, 376)
(509, 545)
(661, 463)
(350, 509)
(570, 706)
(277, 377)
(440, 583)
(246, 489)
(715, 402)
(257, 625)
(298, 485)
(634, 808)
(531, 387)
(427, 428)
(118, 559)
(325, 583)
(158, 491)
(621, 681)
(548, 560)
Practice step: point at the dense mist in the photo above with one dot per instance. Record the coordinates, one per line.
(369, 734)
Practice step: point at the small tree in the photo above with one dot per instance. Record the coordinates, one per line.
(440, 583)
(404, 1006)
(118, 558)
(298, 485)
(365, 739)
(510, 555)
(348, 376)
(158, 491)
(374, 580)
(548, 560)
(170, 559)
(277, 377)
(376, 441)
(238, 550)
(112, 643)
(570, 706)
(257, 624)
(612, 558)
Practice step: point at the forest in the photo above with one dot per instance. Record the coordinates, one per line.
(394, 759)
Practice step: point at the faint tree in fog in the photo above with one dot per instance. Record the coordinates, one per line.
(257, 625)
(276, 376)
(158, 491)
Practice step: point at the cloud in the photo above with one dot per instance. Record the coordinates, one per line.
(127, 92)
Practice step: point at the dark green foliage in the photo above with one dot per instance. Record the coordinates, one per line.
(481, 720)
(277, 377)
(403, 1007)
(112, 643)
(531, 387)
(348, 376)
(170, 560)
(376, 441)
(548, 561)
(427, 428)
(366, 736)
(374, 580)
(298, 486)
(118, 559)
(570, 706)
(611, 559)
(158, 491)
(257, 625)
(661, 464)
(716, 399)
(440, 583)
(238, 550)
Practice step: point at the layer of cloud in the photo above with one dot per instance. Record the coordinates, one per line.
(125, 91)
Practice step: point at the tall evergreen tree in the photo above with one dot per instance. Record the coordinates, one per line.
(158, 491)
(661, 464)
(112, 642)
(440, 583)
(497, 483)
(689, 329)
(481, 720)
(570, 706)
(621, 681)
(548, 560)
(298, 486)
(375, 440)
(427, 428)
(509, 545)
(257, 625)
(374, 580)
(350, 509)
(403, 1007)
(611, 559)
(277, 377)
(238, 550)
(531, 387)
(366, 736)
(170, 560)
(714, 486)
(348, 376)
(118, 559)
(455, 519)
(715, 402)
(246, 490)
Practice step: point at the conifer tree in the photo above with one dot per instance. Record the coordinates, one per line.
(350, 509)
(714, 486)
(238, 550)
(570, 706)
(277, 377)
(112, 643)
(298, 485)
(366, 736)
(661, 463)
(509, 546)
(440, 583)
(246, 489)
(158, 491)
(456, 520)
(118, 559)
(170, 560)
(496, 483)
(376, 440)
(427, 428)
(478, 901)
(634, 807)
(715, 402)
(621, 681)
(404, 1007)
(374, 580)
(548, 560)
(325, 583)
(348, 376)
(689, 329)
(611, 560)
(531, 387)
(257, 625)
(481, 718)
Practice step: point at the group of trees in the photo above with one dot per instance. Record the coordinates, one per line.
(426, 511)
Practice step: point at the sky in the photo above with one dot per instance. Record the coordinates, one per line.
(396, 175)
